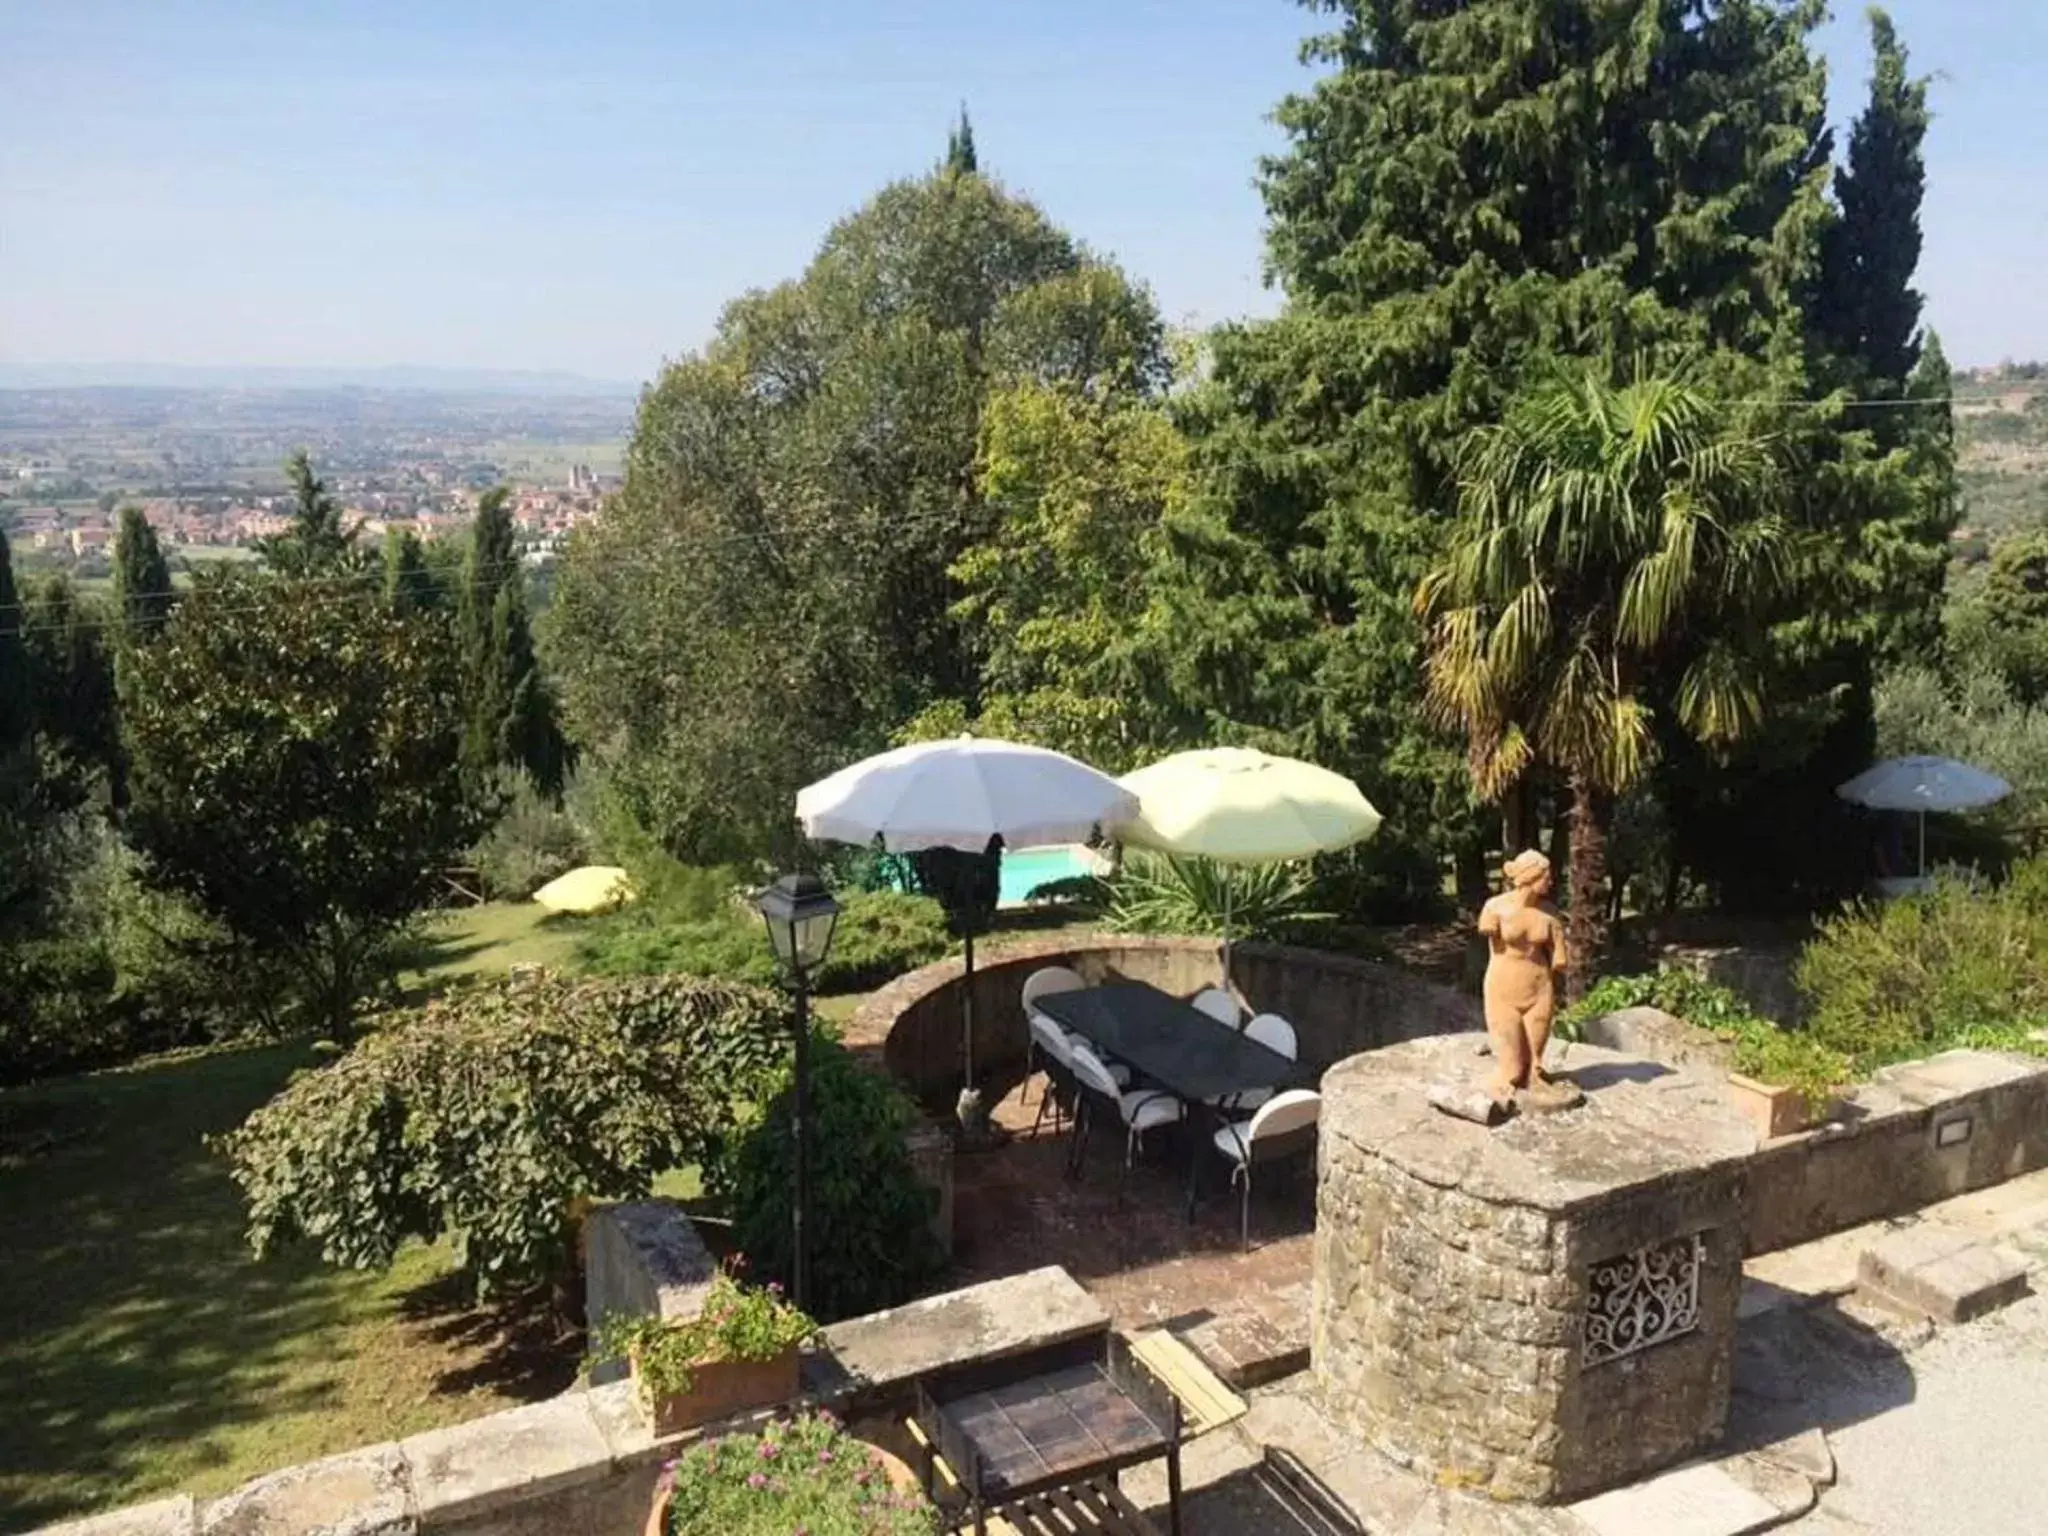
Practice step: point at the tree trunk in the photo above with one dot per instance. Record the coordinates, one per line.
(1586, 919)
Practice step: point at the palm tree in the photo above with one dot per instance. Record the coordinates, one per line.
(1616, 551)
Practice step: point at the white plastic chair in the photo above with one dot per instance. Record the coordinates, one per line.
(1042, 983)
(1285, 1124)
(1140, 1109)
(1274, 1033)
(1218, 1004)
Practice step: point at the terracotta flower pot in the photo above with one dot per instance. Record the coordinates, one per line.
(1774, 1111)
(721, 1388)
(901, 1478)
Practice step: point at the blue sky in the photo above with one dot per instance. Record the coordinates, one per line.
(581, 185)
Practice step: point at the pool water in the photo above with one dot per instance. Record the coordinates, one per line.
(1027, 868)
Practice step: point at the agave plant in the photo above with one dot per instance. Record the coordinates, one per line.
(1159, 893)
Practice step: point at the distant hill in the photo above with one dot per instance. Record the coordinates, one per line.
(394, 376)
(2001, 454)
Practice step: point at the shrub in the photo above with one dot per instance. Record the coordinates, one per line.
(802, 1475)
(1155, 893)
(1958, 966)
(1789, 1058)
(533, 841)
(482, 1116)
(869, 1233)
(881, 934)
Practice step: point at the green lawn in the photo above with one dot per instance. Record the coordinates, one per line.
(490, 939)
(144, 1351)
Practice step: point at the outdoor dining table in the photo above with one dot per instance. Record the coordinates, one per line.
(1173, 1045)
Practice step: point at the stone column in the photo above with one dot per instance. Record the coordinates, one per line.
(1536, 1311)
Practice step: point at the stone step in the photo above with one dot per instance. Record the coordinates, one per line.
(1946, 1274)
(1258, 1343)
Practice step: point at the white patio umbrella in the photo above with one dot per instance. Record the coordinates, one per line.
(1238, 806)
(1923, 784)
(960, 793)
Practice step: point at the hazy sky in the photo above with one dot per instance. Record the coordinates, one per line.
(580, 185)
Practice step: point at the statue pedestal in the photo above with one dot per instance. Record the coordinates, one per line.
(1537, 1310)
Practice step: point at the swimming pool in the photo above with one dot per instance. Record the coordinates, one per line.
(1027, 868)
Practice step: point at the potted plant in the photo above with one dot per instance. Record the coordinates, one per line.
(803, 1474)
(1784, 1080)
(740, 1352)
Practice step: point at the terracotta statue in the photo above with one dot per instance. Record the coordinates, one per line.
(1526, 953)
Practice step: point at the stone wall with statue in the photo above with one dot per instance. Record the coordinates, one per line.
(1537, 1310)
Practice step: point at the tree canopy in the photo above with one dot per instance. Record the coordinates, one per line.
(770, 592)
(318, 542)
(296, 771)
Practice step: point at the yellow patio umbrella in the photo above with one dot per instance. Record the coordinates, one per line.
(589, 889)
(1238, 806)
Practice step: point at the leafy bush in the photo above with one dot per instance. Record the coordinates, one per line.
(533, 841)
(869, 1229)
(739, 1322)
(803, 1475)
(1156, 893)
(482, 1116)
(1958, 966)
(1788, 1058)
(881, 934)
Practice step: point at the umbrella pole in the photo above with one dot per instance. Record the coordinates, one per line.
(1923, 845)
(967, 1013)
(1229, 890)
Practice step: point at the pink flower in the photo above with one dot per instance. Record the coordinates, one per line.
(757, 1480)
(824, 1455)
(768, 1450)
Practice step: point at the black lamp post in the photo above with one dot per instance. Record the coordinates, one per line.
(801, 915)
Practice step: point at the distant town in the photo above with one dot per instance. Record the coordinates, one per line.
(205, 466)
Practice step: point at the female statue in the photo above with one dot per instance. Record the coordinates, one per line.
(1526, 952)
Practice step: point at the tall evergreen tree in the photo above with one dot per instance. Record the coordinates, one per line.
(510, 709)
(317, 544)
(142, 577)
(1869, 310)
(1468, 192)
(21, 809)
(73, 681)
(410, 584)
(960, 157)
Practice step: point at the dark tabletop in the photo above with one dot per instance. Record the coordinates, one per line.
(1053, 1429)
(1173, 1043)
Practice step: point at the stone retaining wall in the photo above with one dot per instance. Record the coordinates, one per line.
(585, 1463)
(1338, 1006)
(1916, 1133)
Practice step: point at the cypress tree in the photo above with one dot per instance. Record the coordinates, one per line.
(142, 577)
(17, 693)
(316, 544)
(73, 681)
(960, 157)
(22, 816)
(1869, 309)
(410, 585)
(1468, 193)
(511, 715)
(143, 599)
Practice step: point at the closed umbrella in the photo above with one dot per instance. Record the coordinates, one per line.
(1238, 806)
(1923, 784)
(961, 794)
(589, 889)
